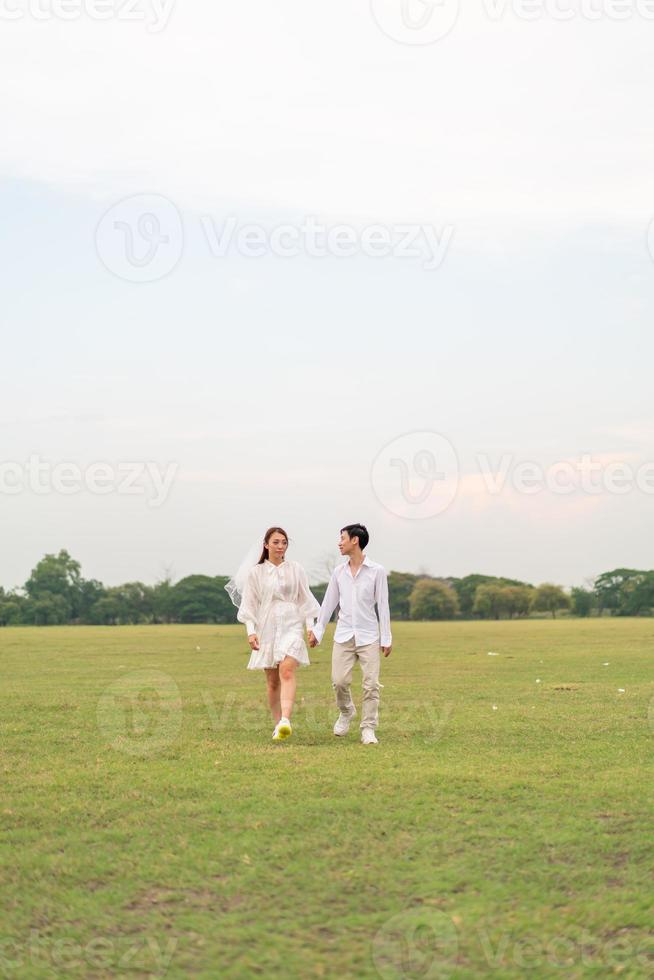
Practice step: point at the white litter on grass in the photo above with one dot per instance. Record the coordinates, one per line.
(538, 680)
(621, 690)
(489, 654)
(197, 648)
(494, 707)
(606, 664)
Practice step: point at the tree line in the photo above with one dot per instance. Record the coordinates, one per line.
(56, 593)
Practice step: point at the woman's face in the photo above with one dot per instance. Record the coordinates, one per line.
(277, 545)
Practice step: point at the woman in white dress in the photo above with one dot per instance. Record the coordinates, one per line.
(275, 604)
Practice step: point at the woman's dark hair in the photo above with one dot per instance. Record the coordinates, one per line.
(266, 538)
(359, 531)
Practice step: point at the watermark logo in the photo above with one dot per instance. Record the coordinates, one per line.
(314, 239)
(588, 475)
(155, 14)
(563, 11)
(415, 21)
(416, 475)
(420, 22)
(140, 714)
(421, 943)
(141, 238)
(44, 955)
(426, 718)
(43, 477)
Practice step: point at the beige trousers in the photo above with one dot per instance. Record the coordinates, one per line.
(344, 656)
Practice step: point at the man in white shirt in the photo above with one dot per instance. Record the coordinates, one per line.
(356, 587)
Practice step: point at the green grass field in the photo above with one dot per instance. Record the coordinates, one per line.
(502, 827)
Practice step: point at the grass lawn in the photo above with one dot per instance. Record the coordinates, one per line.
(502, 827)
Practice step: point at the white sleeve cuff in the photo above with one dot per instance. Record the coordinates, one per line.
(251, 628)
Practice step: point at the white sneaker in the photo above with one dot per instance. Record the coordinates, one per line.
(343, 721)
(282, 730)
(368, 736)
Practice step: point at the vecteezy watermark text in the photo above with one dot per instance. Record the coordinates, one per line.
(101, 953)
(566, 476)
(43, 477)
(419, 22)
(425, 942)
(565, 10)
(141, 239)
(141, 714)
(317, 240)
(417, 475)
(155, 14)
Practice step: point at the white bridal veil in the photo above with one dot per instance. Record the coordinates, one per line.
(237, 582)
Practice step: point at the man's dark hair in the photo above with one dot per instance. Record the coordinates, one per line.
(359, 531)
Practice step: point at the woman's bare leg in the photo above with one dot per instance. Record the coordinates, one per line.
(274, 687)
(288, 685)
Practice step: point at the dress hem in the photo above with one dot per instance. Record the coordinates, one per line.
(302, 663)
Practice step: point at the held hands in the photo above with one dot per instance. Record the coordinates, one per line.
(312, 640)
(387, 651)
(253, 640)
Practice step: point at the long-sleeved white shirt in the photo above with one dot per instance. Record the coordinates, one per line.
(356, 596)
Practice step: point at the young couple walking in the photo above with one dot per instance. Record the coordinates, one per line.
(275, 604)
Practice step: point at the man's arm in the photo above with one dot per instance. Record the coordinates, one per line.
(329, 604)
(381, 598)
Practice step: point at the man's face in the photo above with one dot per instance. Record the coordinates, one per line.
(347, 544)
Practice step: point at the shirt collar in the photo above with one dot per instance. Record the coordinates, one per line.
(366, 561)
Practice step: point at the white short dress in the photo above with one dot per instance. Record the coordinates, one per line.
(276, 605)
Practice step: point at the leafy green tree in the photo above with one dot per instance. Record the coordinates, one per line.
(162, 600)
(550, 598)
(89, 592)
(11, 608)
(202, 599)
(107, 611)
(490, 601)
(400, 587)
(639, 596)
(433, 599)
(612, 588)
(582, 602)
(56, 575)
(136, 602)
(466, 589)
(48, 609)
(517, 599)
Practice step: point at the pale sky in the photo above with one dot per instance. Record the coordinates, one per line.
(273, 385)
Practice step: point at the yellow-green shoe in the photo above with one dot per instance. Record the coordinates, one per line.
(282, 730)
